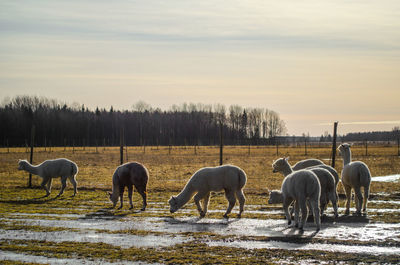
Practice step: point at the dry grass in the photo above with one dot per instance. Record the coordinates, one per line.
(170, 171)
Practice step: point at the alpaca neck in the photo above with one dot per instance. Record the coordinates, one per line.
(115, 193)
(31, 169)
(287, 170)
(347, 158)
(185, 195)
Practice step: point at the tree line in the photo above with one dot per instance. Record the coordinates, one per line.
(60, 124)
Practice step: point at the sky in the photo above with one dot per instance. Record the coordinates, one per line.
(314, 62)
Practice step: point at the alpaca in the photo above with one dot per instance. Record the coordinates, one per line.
(298, 186)
(129, 175)
(229, 178)
(326, 180)
(354, 176)
(49, 169)
(302, 164)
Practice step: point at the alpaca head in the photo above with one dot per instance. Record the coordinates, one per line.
(114, 199)
(279, 164)
(22, 164)
(173, 203)
(275, 196)
(344, 148)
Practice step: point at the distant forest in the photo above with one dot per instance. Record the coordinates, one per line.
(59, 124)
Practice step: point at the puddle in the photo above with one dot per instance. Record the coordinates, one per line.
(375, 250)
(8, 255)
(391, 178)
(121, 240)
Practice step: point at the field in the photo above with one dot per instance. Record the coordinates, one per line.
(84, 229)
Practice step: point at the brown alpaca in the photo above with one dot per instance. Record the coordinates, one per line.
(129, 175)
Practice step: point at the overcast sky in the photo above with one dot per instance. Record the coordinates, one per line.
(314, 62)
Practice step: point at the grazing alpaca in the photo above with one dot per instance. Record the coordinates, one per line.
(129, 175)
(354, 176)
(298, 186)
(229, 178)
(49, 169)
(326, 180)
(302, 164)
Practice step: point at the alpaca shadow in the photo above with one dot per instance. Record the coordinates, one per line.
(349, 218)
(104, 214)
(38, 200)
(203, 226)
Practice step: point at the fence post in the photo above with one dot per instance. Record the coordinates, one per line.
(398, 145)
(8, 147)
(366, 147)
(334, 144)
(31, 156)
(220, 144)
(277, 148)
(121, 146)
(305, 146)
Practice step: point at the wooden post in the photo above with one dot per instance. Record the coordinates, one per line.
(277, 148)
(73, 145)
(305, 146)
(65, 144)
(334, 144)
(366, 147)
(8, 147)
(121, 146)
(50, 146)
(221, 145)
(398, 146)
(45, 144)
(31, 156)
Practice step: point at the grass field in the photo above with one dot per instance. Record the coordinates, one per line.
(36, 229)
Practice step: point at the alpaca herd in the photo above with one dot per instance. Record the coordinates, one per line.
(308, 184)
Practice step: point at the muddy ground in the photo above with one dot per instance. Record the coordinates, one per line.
(84, 229)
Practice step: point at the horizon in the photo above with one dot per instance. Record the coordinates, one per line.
(312, 62)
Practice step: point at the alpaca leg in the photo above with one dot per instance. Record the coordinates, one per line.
(130, 192)
(315, 208)
(286, 204)
(143, 193)
(296, 213)
(49, 184)
(121, 196)
(304, 212)
(366, 196)
(332, 198)
(74, 183)
(230, 196)
(199, 196)
(347, 189)
(43, 185)
(359, 199)
(242, 200)
(310, 213)
(63, 185)
(205, 201)
(323, 203)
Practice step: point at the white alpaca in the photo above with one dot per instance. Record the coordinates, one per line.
(326, 180)
(49, 169)
(299, 186)
(302, 164)
(229, 178)
(354, 176)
